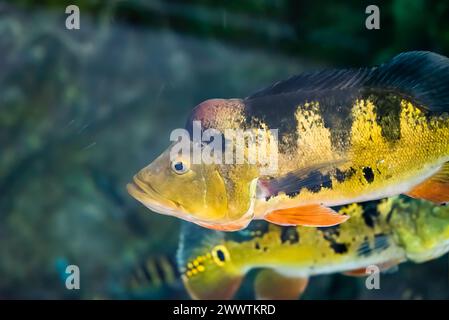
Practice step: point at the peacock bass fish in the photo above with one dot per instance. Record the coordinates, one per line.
(344, 136)
(382, 233)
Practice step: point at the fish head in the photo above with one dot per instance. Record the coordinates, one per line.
(210, 195)
(212, 275)
(210, 266)
(421, 227)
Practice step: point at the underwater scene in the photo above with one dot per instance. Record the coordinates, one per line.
(339, 192)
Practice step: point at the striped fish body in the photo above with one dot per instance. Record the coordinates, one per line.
(348, 136)
(151, 277)
(343, 136)
(383, 233)
(385, 144)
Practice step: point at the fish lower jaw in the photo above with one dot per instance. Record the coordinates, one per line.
(161, 209)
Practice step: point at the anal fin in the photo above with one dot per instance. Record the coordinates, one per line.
(270, 285)
(435, 188)
(313, 215)
(356, 273)
(387, 266)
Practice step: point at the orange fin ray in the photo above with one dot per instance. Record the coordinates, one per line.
(270, 285)
(388, 266)
(356, 273)
(314, 215)
(435, 188)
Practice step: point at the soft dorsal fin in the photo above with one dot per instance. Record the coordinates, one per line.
(421, 76)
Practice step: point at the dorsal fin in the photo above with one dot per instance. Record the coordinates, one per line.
(421, 76)
(332, 79)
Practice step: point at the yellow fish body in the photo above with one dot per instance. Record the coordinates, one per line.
(380, 233)
(344, 136)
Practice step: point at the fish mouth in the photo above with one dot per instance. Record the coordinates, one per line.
(151, 198)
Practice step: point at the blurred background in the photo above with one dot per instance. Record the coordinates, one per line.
(83, 110)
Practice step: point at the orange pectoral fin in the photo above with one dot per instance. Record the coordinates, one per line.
(435, 189)
(314, 215)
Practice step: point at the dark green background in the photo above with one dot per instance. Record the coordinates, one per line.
(82, 111)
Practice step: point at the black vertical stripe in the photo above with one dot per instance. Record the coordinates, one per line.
(370, 213)
(289, 234)
(336, 113)
(146, 273)
(277, 112)
(388, 113)
(331, 234)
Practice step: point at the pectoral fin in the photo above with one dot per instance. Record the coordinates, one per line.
(313, 215)
(270, 285)
(435, 188)
(313, 178)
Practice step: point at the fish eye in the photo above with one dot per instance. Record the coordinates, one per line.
(179, 167)
(220, 255)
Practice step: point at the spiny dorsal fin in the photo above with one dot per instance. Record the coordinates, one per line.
(332, 79)
(421, 76)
